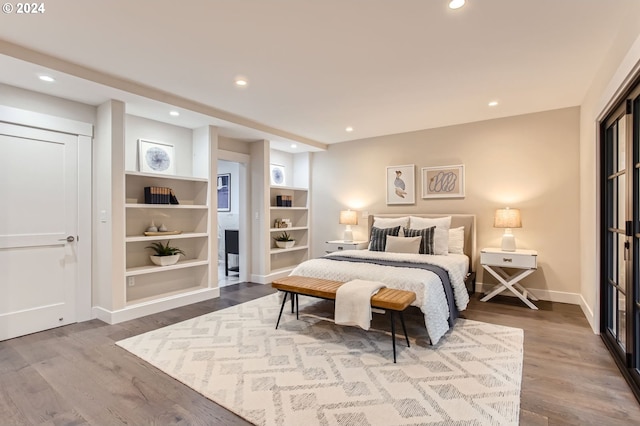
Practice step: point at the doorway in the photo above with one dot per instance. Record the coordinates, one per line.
(44, 269)
(620, 230)
(232, 217)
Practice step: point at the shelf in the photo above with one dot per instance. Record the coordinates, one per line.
(166, 206)
(168, 177)
(287, 208)
(295, 228)
(285, 250)
(288, 188)
(152, 269)
(136, 238)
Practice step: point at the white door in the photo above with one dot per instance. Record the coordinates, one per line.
(38, 229)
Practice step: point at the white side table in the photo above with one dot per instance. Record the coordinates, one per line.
(525, 262)
(337, 245)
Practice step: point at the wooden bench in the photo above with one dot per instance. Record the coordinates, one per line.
(389, 299)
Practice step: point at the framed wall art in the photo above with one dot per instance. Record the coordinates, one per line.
(277, 175)
(224, 192)
(443, 182)
(401, 184)
(156, 157)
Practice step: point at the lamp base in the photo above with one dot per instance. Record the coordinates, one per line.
(508, 242)
(348, 235)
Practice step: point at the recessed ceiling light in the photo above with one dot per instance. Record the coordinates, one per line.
(294, 146)
(241, 81)
(456, 4)
(349, 129)
(46, 78)
(493, 103)
(174, 113)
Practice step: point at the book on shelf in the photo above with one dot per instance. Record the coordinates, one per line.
(159, 195)
(284, 200)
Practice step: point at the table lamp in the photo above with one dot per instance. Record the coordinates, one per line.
(348, 217)
(507, 219)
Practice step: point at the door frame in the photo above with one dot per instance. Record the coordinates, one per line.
(244, 161)
(84, 132)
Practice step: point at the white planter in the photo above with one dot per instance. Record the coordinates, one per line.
(165, 260)
(285, 244)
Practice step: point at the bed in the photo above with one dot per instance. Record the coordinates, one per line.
(452, 259)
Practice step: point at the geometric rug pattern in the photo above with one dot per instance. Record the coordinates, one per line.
(313, 372)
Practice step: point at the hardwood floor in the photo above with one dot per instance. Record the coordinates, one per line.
(76, 375)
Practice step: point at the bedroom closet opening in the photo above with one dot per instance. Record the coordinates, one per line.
(620, 236)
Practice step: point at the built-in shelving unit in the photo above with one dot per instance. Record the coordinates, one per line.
(297, 213)
(191, 217)
(133, 285)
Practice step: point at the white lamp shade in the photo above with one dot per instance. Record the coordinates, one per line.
(348, 217)
(507, 218)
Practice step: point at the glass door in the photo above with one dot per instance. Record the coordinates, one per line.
(620, 303)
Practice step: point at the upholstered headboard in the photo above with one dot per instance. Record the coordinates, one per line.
(457, 220)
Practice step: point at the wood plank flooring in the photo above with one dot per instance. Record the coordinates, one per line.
(75, 375)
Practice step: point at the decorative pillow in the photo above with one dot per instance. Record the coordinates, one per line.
(441, 235)
(456, 240)
(378, 237)
(426, 238)
(403, 244)
(391, 222)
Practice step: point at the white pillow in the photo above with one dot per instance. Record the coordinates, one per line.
(440, 237)
(391, 222)
(403, 244)
(456, 240)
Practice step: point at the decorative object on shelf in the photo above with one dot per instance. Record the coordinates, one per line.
(507, 218)
(282, 223)
(224, 192)
(401, 183)
(284, 240)
(156, 157)
(164, 254)
(162, 228)
(152, 227)
(443, 182)
(159, 195)
(348, 217)
(277, 174)
(284, 200)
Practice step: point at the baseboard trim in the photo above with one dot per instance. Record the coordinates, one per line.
(588, 313)
(550, 295)
(154, 306)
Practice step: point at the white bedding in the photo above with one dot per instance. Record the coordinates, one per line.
(430, 296)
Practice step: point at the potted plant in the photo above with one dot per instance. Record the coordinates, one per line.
(164, 254)
(284, 240)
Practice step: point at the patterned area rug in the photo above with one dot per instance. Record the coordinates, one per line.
(311, 371)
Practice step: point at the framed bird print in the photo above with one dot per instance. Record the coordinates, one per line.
(401, 184)
(156, 157)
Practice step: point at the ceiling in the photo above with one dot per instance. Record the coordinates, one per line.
(316, 67)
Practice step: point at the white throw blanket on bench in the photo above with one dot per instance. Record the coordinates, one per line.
(353, 302)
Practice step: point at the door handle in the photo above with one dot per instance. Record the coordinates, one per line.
(69, 239)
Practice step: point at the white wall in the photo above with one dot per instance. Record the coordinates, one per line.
(622, 62)
(529, 162)
(143, 128)
(38, 102)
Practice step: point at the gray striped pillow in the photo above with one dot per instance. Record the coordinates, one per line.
(379, 237)
(426, 245)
